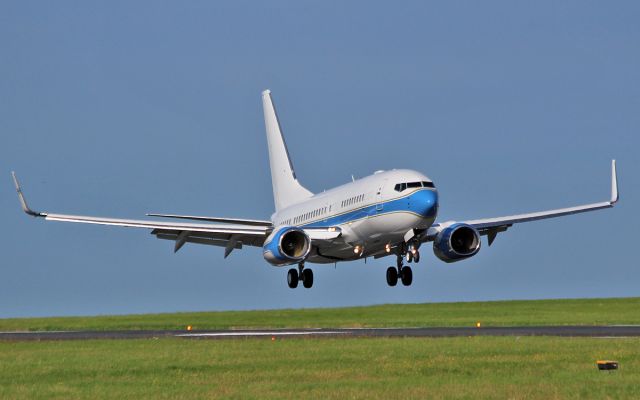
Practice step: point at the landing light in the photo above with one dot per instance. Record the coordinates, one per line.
(387, 248)
(356, 249)
(332, 229)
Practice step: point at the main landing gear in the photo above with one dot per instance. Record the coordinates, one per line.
(302, 274)
(403, 272)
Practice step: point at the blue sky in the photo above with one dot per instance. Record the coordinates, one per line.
(122, 108)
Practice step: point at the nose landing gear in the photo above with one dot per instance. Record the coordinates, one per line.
(413, 254)
(302, 274)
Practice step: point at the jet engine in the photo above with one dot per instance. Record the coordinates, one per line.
(456, 242)
(287, 245)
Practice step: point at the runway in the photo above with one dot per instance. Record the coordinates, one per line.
(615, 331)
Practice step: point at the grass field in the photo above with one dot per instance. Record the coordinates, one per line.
(452, 368)
(496, 313)
(368, 368)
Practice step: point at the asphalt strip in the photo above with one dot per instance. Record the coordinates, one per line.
(433, 332)
(249, 334)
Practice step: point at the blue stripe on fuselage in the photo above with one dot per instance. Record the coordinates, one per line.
(423, 203)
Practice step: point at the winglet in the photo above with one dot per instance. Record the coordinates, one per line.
(23, 202)
(614, 183)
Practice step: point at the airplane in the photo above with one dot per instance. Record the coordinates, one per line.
(389, 213)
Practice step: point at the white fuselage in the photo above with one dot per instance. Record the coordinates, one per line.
(372, 212)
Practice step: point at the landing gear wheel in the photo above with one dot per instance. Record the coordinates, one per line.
(392, 276)
(307, 278)
(416, 257)
(407, 276)
(292, 278)
(409, 256)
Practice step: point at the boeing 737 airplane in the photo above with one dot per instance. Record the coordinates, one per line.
(389, 213)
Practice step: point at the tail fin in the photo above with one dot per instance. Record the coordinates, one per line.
(286, 188)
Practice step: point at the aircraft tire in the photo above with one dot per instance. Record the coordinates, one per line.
(392, 276)
(409, 256)
(416, 257)
(407, 276)
(292, 278)
(307, 278)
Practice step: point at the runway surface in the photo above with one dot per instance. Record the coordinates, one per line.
(614, 331)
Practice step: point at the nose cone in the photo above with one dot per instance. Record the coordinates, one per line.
(425, 203)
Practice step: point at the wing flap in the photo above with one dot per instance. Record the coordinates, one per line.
(251, 222)
(134, 223)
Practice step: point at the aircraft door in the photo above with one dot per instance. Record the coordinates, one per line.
(379, 199)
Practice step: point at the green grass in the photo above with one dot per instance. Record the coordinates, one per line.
(373, 368)
(497, 313)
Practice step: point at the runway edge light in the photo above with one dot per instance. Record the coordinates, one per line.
(607, 365)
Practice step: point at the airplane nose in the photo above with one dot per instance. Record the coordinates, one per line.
(425, 203)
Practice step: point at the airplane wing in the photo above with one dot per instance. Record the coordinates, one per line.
(232, 235)
(492, 226)
(228, 236)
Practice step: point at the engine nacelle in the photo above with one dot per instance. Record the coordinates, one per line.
(456, 242)
(287, 245)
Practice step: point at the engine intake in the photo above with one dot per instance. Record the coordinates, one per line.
(456, 242)
(287, 245)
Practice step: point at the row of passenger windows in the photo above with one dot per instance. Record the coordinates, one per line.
(404, 186)
(353, 200)
(306, 216)
(320, 211)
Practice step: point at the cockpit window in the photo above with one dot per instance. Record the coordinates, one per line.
(400, 187)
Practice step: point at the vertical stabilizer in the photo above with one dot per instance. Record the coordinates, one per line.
(286, 188)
